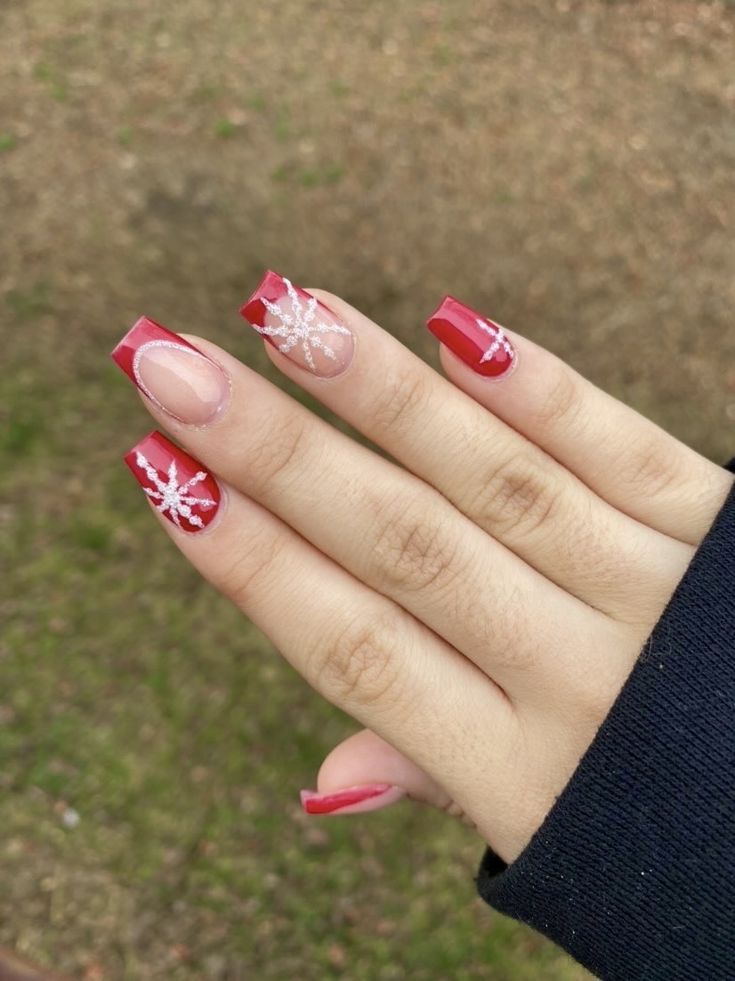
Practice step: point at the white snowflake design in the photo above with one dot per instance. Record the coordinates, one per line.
(499, 340)
(300, 327)
(172, 496)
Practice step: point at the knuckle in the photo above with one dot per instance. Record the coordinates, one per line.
(411, 549)
(277, 453)
(359, 666)
(517, 497)
(649, 468)
(402, 398)
(561, 401)
(501, 628)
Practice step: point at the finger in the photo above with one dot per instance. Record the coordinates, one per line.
(503, 482)
(360, 650)
(626, 459)
(389, 529)
(365, 773)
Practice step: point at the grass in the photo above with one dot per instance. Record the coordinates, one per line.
(224, 128)
(392, 157)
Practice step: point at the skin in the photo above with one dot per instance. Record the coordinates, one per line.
(476, 604)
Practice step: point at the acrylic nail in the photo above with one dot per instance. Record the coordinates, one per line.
(352, 800)
(299, 326)
(479, 342)
(175, 483)
(176, 376)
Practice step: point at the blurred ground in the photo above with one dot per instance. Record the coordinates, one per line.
(565, 166)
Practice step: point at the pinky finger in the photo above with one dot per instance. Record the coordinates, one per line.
(365, 773)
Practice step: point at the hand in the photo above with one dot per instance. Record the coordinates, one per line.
(477, 604)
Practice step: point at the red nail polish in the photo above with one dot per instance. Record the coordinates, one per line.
(477, 341)
(175, 483)
(299, 326)
(144, 334)
(367, 797)
(176, 376)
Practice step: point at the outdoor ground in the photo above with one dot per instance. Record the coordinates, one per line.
(565, 166)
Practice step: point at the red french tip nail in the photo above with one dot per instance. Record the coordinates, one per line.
(176, 376)
(175, 483)
(143, 333)
(315, 803)
(479, 342)
(299, 325)
(271, 288)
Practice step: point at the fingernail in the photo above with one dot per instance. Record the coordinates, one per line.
(477, 341)
(175, 483)
(172, 373)
(353, 800)
(299, 326)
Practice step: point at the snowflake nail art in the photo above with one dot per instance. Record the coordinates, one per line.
(499, 340)
(173, 497)
(174, 482)
(299, 325)
(480, 343)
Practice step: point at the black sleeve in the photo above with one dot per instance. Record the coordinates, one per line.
(633, 869)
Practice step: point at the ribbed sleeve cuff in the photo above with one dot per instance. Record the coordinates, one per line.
(633, 870)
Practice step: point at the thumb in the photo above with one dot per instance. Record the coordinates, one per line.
(365, 773)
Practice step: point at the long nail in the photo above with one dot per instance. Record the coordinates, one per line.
(477, 341)
(172, 373)
(352, 800)
(299, 326)
(175, 483)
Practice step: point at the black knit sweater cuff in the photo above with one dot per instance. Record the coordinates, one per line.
(632, 871)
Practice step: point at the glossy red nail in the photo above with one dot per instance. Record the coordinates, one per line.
(352, 800)
(172, 373)
(477, 341)
(299, 326)
(176, 484)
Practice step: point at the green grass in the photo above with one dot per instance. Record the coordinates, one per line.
(224, 128)
(125, 135)
(391, 155)
(53, 79)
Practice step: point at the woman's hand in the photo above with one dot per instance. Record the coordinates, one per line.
(477, 604)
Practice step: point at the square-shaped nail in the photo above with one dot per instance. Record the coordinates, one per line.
(299, 326)
(479, 342)
(172, 373)
(175, 483)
